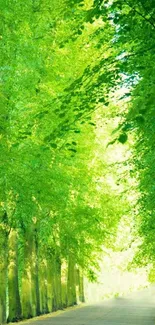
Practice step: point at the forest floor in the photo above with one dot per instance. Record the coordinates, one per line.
(136, 309)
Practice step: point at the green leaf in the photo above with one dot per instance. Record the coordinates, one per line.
(73, 150)
(123, 138)
(77, 131)
(53, 145)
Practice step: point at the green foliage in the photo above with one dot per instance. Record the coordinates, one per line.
(123, 138)
(135, 39)
(61, 62)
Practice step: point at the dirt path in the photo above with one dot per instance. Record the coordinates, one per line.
(135, 309)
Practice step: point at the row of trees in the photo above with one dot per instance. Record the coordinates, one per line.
(53, 218)
(59, 62)
(136, 41)
(53, 225)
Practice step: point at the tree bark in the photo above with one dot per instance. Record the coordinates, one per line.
(71, 283)
(56, 282)
(64, 284)
(43, 286)
(81, 287)
(13, 283)
(49, 286)
(3, 266)
(35, 276)
(37, 289)
(27, 278)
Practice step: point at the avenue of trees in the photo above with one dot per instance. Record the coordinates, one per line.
(63, 64)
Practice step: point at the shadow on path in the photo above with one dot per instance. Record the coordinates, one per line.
(136, 309)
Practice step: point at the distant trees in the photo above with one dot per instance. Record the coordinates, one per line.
(135, 42)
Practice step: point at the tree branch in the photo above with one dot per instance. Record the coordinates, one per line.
(141, 15)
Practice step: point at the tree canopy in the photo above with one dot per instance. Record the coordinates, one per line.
(77, 144)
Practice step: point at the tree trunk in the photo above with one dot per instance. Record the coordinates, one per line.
(64, 284)
(71, 283)
(56, 266)
(13, 284)
(27, 278)
(3, 266)
(49, 286)
(35, 277)
(43, 286)
(81, 287)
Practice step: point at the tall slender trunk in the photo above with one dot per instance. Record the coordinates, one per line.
(81, 287)
(13, 283)
(64, 284)
(43, 286)
(37, 289)
(27, 277)
(35, 276)
(56, 266)
(49, 286)
(71, 283)
(3, 286)
(3, 266)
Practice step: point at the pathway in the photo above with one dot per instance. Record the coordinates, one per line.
(135, 309)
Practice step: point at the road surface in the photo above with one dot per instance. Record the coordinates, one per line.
(135, 309)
